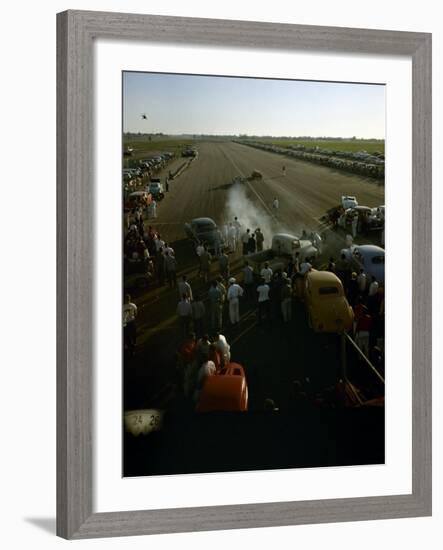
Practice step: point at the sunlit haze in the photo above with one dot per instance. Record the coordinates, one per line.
(187, 104)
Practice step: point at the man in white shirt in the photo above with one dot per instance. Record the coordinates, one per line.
(305, 267)
(159, 243)
(237, 226)
(373, 287)
(263, 300)
(232, 237)
(235, 291)
(184, 288)
(361, 281)
(199, 249)
(266, 273)
(207, 369)
(223, 347)
(168, 249)
(129, 328)
(152, 210)
(275, 204)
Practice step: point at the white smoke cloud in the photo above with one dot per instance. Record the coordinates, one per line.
(251, 213)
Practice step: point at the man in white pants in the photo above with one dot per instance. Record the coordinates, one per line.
(235, 291)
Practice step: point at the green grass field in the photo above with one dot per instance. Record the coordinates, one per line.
(351, 146)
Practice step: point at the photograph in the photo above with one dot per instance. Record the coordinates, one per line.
(253, 273)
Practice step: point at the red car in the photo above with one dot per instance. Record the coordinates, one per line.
(225, 391)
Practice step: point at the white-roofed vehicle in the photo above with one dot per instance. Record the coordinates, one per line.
(284, 247)
(369, 257)
(156, 189)
(348, 201)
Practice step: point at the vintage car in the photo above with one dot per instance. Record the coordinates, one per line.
(380, 210)
(256, 175)
(138, 198)
(369, 257)
(283, 248)
(189, 152)
(205, 230)
(368, 219)
(326, 304)
(348, 201)
(225, 391)
(156, 189)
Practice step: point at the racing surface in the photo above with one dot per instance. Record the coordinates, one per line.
(273, 354)
(305, 193)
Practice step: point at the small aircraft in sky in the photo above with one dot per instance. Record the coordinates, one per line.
(144, 117)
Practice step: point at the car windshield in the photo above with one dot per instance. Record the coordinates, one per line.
(204, 227)
(328, 290)
(378, 260)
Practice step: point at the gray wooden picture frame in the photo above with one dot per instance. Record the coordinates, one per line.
(76, 32)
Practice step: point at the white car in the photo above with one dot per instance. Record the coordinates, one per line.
(348, 202)
(368, 257)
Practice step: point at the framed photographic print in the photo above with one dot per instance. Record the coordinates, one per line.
(234, 350)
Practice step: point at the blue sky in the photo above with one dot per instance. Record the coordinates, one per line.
(176, 104)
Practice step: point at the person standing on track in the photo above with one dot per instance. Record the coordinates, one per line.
(215, 298)
(259, 238)
(263, 301)
(184, 288)
(232, 237)
(184, 313)
(283, 170)
(205, 264)
(286, 298)
(248, 278)
(275, 204)
(198, 314)
(245, 242)
(237, 226)
(252, 244)
(217, 243)
(171, 269)
(223, 263)
(266, 273)
(235, 292)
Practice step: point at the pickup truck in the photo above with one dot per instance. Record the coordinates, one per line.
(283, 248)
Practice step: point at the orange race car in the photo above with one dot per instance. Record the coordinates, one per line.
(225, 391)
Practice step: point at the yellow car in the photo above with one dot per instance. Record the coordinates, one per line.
(326, 304)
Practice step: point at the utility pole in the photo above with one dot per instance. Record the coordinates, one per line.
(343, 356)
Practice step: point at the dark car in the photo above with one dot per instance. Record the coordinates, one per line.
(368, 219)
(206, 231)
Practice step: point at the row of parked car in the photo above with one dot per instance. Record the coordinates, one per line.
(150, 165)
(133, 178)
(359, 163)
